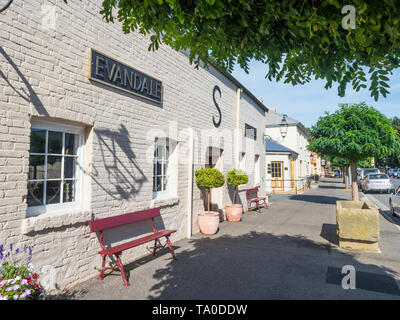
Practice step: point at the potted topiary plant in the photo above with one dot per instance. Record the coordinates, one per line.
(207, 179)
(235, 178)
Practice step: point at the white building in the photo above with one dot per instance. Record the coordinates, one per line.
(288, 161)
(94, 125)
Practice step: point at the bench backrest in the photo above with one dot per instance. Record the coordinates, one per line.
(251, 191)
(123, 219)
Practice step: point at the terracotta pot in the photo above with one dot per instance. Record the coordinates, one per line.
(208, 222)
(234, 212)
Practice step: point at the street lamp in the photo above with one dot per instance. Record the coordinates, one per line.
(283, 128)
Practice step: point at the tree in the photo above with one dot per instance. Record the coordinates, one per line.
(236, 177)
(209, 178)
(394, 159)
(343, 164)
(354, 132)
(297, 40)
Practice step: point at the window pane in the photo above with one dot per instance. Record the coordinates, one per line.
(36, 167)
(69, 167)
(159, 152)
(53, 167)
(71, 143)
(69, 191)
(53, 192)
(38, 141)
(35, 194)
(55, 142)
(158, 184)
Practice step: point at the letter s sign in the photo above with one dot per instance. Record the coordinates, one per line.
(217, 124)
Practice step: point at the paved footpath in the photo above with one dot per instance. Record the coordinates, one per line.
(287, 252)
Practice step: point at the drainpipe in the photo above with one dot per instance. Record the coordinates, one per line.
(189, 215)
(237, 128)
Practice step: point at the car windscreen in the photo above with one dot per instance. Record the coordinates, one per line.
(377, 176)
(370, 171)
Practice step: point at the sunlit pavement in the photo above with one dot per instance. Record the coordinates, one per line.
(287, 252)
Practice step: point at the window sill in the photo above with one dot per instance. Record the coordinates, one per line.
(55, 220)
(164, 202)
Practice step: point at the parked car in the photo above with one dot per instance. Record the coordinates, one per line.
(362, 172)
(394, 202)
(393, 173)
(376, 182)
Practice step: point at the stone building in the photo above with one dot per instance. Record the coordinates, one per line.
(94, 125)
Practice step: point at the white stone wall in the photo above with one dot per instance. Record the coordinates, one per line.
(44, 75)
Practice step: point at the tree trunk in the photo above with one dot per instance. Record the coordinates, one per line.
(354, 185)
(343, 174)
(208, 199)
(234, 195)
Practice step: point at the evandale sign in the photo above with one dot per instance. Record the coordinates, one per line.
(113, 73)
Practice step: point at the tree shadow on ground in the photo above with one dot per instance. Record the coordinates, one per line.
(332, 187)
(254, 265)
(258, 266)
(316, 198)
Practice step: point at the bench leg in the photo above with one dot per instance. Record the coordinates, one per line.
(155, 247)
(171, 248)
(103, 263)
(121, 268)
(258, 207)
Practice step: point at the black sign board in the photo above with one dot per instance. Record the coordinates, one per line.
(250, 131)
(115, 74)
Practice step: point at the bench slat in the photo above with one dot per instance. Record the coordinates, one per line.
(127, 218)
(136, 242)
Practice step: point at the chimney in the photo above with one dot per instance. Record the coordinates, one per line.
(261, 100)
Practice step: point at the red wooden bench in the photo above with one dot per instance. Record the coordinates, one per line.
(256, 200)
(99, 225)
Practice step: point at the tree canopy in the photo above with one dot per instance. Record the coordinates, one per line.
(296, 39)
(355, 133)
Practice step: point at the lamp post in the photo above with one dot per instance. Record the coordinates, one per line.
(283, 128)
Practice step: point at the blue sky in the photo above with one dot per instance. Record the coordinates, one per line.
(308, 102)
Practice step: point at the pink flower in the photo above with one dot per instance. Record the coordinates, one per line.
(23, 282)
(15, 297)
(16, 287)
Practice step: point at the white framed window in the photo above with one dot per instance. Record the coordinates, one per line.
(55, 167)
(164, 168)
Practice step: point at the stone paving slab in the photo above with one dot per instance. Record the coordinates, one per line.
(284, 253)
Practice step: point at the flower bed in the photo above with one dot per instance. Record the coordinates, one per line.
(19, 282)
